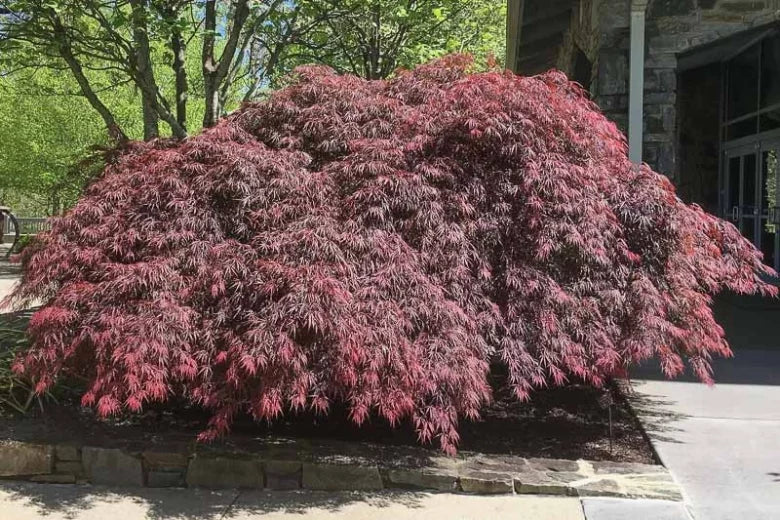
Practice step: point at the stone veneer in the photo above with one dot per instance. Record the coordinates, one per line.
(295, 464)
(600, 28)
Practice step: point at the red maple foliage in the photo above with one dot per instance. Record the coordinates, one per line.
(379, 244)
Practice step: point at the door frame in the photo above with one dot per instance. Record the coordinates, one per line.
(752, 145)
(772, 210)
(740, 150)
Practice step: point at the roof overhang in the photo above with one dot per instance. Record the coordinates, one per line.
(723, 49)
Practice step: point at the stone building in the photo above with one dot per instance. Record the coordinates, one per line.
(695, 84)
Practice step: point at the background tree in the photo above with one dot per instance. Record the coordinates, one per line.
(371, 38)
(145, 43)
(47, 129)
(240, 45)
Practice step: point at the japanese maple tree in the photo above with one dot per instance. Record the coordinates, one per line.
(379, 244)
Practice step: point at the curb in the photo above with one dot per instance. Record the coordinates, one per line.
(372, 468)
(626, 390)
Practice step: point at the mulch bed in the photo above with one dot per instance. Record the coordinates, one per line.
(571, 422)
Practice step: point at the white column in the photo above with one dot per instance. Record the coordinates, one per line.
(636, 80)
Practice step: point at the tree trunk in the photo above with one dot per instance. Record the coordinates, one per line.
(115, 132)
(209, 63)
(143, 66)
(151, 119)
(215, 71)
(180, 71)
(211, 116)
(56, 205)
(376, 43)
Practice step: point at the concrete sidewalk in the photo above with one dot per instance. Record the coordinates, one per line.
(55, 502)
(721, 443)
(6, 285)
(26, 501)
(9, 274)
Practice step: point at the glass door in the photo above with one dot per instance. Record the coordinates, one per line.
(751, 175)
(741, 174)
(750, 138)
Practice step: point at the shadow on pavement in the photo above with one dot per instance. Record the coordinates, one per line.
(9, 270)
(658, 422)
(70, 501)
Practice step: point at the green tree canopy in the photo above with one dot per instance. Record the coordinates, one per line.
(372, 38)
(47, 129)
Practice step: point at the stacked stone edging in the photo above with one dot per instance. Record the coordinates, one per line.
(333, 467)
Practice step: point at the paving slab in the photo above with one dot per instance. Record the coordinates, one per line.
(401, 506)
(9, 277)
(7, 283)
(621, 509)
(26, 501)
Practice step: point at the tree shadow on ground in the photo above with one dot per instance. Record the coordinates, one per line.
(69, 501)
(658, 422)
(9, 270)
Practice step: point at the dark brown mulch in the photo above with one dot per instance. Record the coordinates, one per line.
(565, 423)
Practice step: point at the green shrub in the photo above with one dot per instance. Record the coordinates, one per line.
(15, 394)
(24, 241)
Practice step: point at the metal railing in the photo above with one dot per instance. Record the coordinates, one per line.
(27, 225)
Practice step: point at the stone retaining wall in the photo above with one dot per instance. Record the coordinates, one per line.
(334, 467)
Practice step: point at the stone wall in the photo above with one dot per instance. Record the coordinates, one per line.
(672, 27)
(610, 89)
(675, 26)
(286, 464)
(600, 30)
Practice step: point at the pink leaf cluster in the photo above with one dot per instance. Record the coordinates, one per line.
(379, 244)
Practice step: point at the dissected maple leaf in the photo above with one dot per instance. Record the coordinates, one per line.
(379, 244)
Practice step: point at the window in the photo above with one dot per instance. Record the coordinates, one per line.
(743, 84)
(750, 175)
(752, 81)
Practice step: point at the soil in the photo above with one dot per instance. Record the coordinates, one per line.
(563, 423)
(571, 422)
